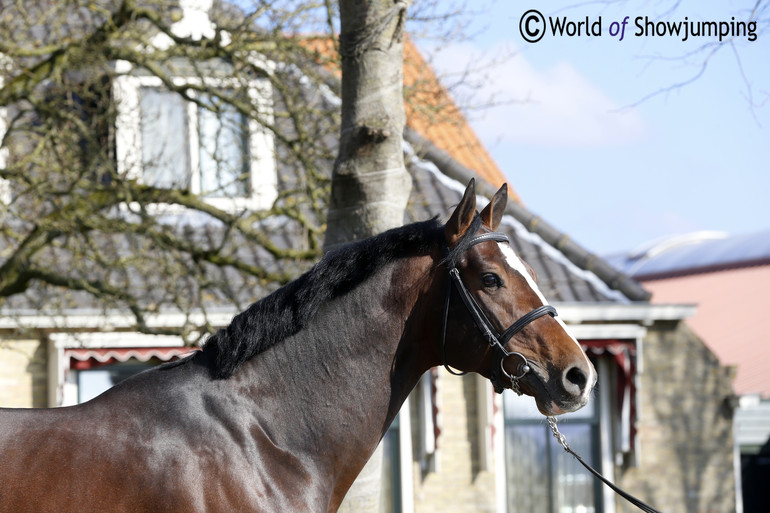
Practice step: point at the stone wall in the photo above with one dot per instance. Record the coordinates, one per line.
(685, 427)
(23, 373)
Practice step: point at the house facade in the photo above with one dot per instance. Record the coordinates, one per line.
(724, 276)
(659, 425)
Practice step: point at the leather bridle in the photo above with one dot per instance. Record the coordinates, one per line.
(500, 339)
(494, 338)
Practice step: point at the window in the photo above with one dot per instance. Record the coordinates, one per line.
(85, 373)
(206, 146)
(222, 136)
(541, 477)
(83, 365)
(165, 156)
(223, 150)
(91, 382)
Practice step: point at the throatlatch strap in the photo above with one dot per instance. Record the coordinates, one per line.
(443, 332)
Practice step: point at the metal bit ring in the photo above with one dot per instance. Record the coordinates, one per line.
(523, 369)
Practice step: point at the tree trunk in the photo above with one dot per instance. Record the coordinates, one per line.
(366, 493)
(370, 186)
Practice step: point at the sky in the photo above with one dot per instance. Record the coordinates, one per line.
(587, 136)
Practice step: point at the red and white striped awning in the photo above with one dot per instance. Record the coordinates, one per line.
(95, 357)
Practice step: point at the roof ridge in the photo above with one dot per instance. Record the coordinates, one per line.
(574, 252)
(704, 269)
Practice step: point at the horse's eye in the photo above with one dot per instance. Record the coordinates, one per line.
(491, 280)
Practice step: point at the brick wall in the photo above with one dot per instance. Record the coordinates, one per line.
(685, 427)
(23, 373)
(459, 485)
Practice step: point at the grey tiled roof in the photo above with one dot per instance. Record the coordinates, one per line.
(434, 194)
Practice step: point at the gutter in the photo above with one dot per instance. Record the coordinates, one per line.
(107, 320)
(639, 312)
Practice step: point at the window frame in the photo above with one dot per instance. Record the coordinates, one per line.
(262, 179)
(602, 435)
(63, 391)
(391, 446)
(553, 450)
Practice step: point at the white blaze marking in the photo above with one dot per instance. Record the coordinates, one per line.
(517, 265)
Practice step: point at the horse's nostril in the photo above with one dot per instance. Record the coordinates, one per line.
(576, 377)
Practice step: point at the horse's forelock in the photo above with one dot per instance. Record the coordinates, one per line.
(454, 253)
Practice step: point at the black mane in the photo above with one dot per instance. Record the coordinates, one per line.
(289, 309)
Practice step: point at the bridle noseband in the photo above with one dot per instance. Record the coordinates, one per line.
(482, 322)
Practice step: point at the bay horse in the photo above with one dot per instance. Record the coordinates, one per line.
(281, 409)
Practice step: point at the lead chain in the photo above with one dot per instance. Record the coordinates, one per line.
(556, 433)
(515, 385)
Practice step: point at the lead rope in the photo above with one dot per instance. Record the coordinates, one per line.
(630, 498)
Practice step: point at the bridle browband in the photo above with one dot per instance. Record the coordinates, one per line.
(482, 322)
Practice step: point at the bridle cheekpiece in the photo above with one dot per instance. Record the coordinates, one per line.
(498, 340)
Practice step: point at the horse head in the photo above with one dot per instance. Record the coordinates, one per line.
(514, 337)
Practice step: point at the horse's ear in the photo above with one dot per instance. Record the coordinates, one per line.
(493, 212)
(462, 217)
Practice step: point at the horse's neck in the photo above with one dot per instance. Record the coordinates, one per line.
(341, 381)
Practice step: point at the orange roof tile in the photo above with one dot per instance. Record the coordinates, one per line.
(431, 112)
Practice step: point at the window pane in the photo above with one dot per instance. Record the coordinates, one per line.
(574, 486)
(165, 160)
(520, 406)
(541, 476)
(93, 382)
(524, 407)
(527, 469)
(223, 136)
